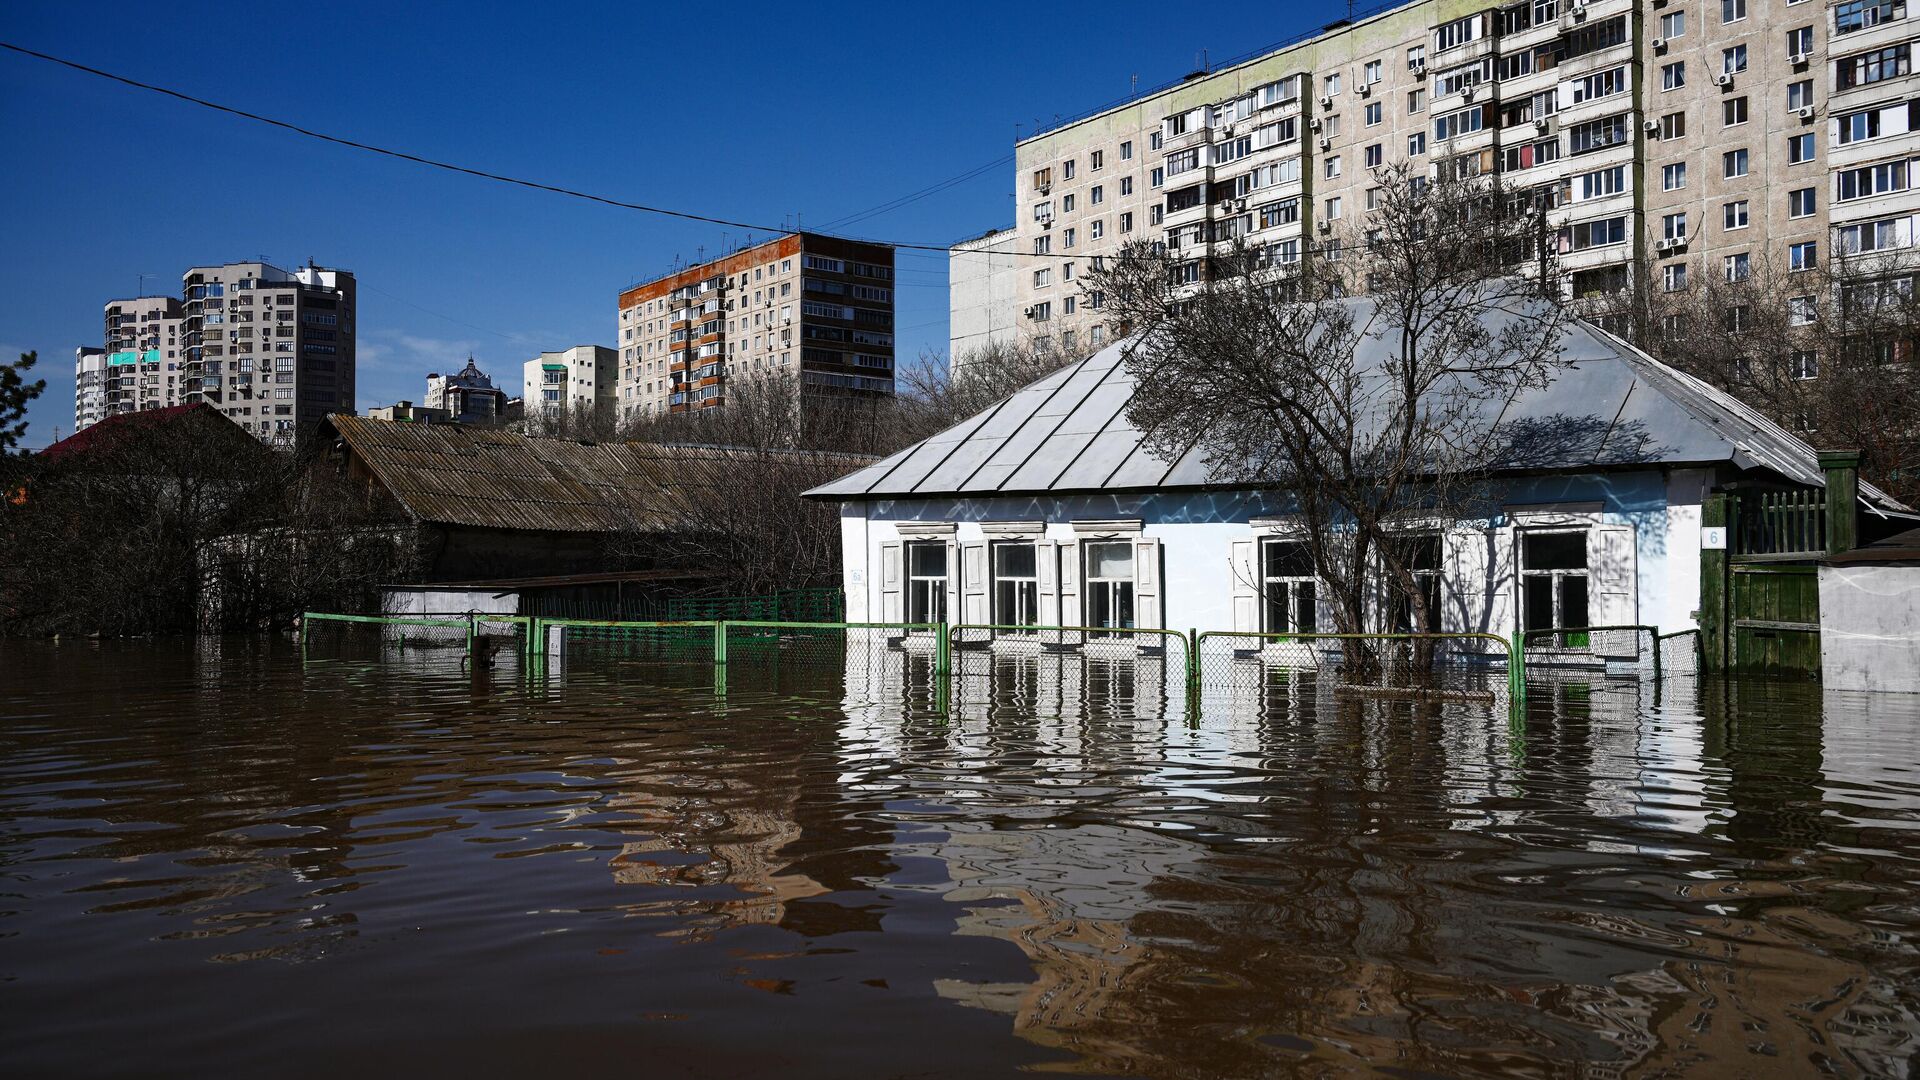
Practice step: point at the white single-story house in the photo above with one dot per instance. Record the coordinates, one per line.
(1047, 509)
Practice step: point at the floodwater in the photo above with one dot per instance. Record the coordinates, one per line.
(219, 862)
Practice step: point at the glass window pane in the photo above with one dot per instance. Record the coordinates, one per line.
(1537, 603)
(1277, 607)
(1288, 559)
(1573, 601)
(1122, 604)
(1013, 560)
(1554, 551)
(1110, 560)
(1303, 616)
(928, 560)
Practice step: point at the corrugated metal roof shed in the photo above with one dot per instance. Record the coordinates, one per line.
(1614, 407)
(488, 478)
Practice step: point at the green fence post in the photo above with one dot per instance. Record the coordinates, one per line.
(471, 658)
(1517, 674)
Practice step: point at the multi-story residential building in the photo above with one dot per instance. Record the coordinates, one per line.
(572, 382)
(1664, 138)
(982, 284)
(817, 308)
(142, 339)
(271, 349)
(467, 395)
(89, 386)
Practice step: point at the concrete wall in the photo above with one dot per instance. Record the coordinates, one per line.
(1870, 628)
(1653, 570)
(983, 285)
(427, 600)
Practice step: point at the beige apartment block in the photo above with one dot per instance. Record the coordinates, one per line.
(816, 308)
(1664, 137)
(272, 349)
(581, 381)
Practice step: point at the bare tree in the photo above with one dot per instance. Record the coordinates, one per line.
(1826, 351)
(1371, 416)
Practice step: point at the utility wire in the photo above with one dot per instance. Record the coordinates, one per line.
(418, 159)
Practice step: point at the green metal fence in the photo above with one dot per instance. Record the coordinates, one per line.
(978, 661)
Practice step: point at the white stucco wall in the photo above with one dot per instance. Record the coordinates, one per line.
(1870, 628)
(1195, 533)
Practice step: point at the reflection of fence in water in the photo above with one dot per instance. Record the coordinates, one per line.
(424, 636)
(1245, 668)
(1070, 670)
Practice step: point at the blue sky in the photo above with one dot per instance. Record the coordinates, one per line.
(756, 113)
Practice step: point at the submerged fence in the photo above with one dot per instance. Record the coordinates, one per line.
(973, 661)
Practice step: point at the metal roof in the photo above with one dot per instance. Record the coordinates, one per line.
(1613, 407)
(489, 478)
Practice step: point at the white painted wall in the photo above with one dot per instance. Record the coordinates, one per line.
(1870, 628)
(1195, 533)
(430, 601)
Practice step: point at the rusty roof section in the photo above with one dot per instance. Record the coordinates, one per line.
(449, 474)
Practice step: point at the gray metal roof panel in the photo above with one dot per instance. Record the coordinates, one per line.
(1613, 406)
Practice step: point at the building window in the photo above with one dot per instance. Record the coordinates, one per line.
(1287, 584)
(1374, 156)
(1803, 365)
(1673, 76)
(1801, 202)
(1553, 583)
(1126, 150)
(1738, 266)
(1066, 169)
(1110, 584)
(1734, 215)
(1733, 111)
(1732, 10)
(927, 581)
(1800, 149)
(1861, 14)
(1416, 144)
(1804, 256)
(1422, 555)
(1673, 24)
(1733, 60)
(1097, 160)
(1016, 586)
(1673, 277)
(1372, 113)
(1733, 163)
(1800, 94)
(1416, 100)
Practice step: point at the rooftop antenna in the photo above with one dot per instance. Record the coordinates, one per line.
(1133, 85)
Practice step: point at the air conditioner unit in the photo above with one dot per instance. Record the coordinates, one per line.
(1325, 226)
(1366, 89)
(1418, 67)
(1466, 93)
(1725, 78)
(1659, 44)
(1326, 102)
(1313, 125)
(1045, 189)
(1666, 244)
(1798, 59)
(1047, 224)
(1028, 313)
(1805, 111)
(1326, 144)
(1650, 127)
(1239, 205)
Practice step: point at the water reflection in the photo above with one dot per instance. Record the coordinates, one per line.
(1064, 872)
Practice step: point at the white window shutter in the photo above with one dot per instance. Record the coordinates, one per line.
(1070, 583)
(1477, 582)
(1147, 611)
(1045, 557)
(1243, 566)
(973, 584)
(890, 595)
(1612, 577)
(953, 581)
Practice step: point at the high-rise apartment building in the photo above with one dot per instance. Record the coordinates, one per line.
(89, 386)
(571, 383)
(142, 343)
(817, 308)
(271, 349)
(1666, 138)
(467, 395)
(982, 283)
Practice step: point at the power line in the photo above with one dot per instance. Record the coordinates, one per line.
(482, 174)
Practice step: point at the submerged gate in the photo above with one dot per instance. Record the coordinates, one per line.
(1760, 591)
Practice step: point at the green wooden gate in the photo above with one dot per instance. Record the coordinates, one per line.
(1775, 609)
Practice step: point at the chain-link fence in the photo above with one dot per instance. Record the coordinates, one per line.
(326, 636)
(1267, 674)
(1141, 673)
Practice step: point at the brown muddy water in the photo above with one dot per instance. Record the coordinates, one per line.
(218, 862)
